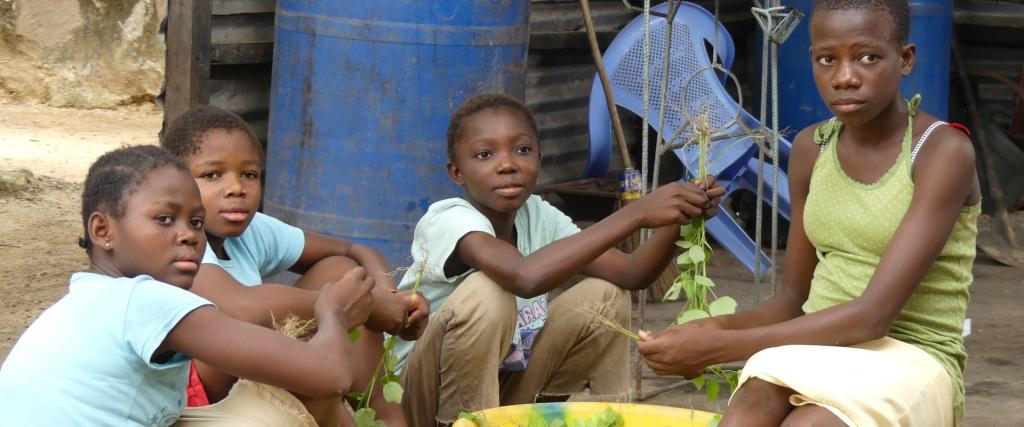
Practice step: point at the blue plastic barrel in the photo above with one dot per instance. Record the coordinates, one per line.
(360, 100)
(931, 26)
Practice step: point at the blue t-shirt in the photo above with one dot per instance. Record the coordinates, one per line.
(267, 247)
(86, 361)
(437, 234)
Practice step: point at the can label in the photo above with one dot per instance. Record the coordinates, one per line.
(630, 187)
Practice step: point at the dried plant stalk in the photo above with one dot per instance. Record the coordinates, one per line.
(607, 322)
(295, 327)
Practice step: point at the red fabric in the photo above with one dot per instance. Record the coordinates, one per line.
(195, 392)
(962, 128)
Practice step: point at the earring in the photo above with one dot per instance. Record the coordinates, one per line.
(106, 245)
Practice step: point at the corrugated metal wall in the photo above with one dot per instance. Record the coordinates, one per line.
(992, 36)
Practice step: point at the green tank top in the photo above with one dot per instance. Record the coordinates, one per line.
(851, 223)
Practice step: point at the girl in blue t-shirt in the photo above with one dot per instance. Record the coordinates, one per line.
(115, 350)
(226, 160)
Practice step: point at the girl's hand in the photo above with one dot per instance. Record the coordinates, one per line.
(418, 316)
(672, 203)
(679, 349)
(713, 192)
(348, 300)
(388, 313)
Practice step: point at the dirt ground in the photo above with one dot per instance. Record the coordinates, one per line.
(40, 227)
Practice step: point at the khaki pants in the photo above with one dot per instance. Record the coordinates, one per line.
(250, 404)
(454, 365)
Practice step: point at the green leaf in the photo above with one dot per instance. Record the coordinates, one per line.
(704, 281)
(684, 258)
(390, 362)
(389, 343)
(715, 420)
(685, 244)
(672, 293)
(476, 419)
(354, 395)
(391, 378)
(698, 382)
(721, 306)
(712, 392)
(392, 392)
(354, 335)
(696, 254)
(689, 315)
(379, 423)
(689, 288)
(365, 417)
(686, 231)
(733, 379)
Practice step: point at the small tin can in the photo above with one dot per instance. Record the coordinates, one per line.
(630, 186)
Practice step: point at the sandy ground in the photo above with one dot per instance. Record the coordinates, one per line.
(41, 225)
(62, 143)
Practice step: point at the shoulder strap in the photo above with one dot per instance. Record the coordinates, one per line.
(824, 133)
(923, 139)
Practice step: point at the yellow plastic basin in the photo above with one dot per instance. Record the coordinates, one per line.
(635, 415)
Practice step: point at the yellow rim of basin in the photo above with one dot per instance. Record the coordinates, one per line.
(634, 414)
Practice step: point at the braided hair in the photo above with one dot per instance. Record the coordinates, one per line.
(115, 176)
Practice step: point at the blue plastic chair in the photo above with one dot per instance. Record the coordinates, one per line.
(733, 161)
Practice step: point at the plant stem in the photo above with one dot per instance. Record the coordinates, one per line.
(373, 381)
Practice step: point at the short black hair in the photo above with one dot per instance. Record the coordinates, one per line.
(115, 175)
(478, 104)
(184, 135)
(898, 10)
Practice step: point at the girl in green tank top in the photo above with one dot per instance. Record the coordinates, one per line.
(882, 239)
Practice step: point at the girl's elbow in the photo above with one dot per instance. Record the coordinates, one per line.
(526, 285)
(333, 383)
(875, 324)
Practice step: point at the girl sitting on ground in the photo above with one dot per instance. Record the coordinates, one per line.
(488, 261)
(226, 160)
(866, 329)
(116, 349)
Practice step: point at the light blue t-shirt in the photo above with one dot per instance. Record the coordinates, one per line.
(86, 360)
(267, 247)
(439, 231)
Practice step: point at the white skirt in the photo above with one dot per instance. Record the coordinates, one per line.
(884, 382)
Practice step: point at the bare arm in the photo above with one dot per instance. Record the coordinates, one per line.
(638, 269)
(318, 247)
(945, 179)
(253, 304)
(321, 367)
(555, 263)
(390, 310)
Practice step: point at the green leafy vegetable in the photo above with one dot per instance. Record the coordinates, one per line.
(694, 283)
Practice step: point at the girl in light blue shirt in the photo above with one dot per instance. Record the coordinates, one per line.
(115, 350)
(246, 248)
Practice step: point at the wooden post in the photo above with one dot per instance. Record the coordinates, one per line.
(188, 56)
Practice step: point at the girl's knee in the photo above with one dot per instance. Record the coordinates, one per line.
(812, 416)
(480, 300)
(329, 269)
(612, 300)
(757, 403)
